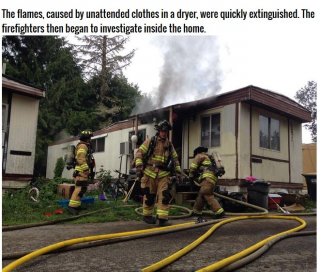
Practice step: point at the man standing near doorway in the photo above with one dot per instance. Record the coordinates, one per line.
(153, 160)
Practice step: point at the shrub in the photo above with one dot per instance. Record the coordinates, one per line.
(59, 168)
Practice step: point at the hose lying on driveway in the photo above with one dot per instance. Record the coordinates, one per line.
(16, 255)
(66, 243)
(164, 262)
(263, 249)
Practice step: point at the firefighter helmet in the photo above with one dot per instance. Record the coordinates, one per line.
(85, 135)
(163, 125)
(200, 149)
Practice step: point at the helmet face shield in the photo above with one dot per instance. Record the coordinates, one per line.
(163, 126)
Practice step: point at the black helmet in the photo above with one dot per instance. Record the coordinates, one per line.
(85, 135)
(200, 149)
(163, 125)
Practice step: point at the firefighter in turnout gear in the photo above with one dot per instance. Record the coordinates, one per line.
(153, 160)
(83, 170)
(202, 167)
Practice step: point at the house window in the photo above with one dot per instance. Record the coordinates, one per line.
(269, 133)
(210, 130)
(98, 144)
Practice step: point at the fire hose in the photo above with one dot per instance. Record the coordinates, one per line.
(175, 256)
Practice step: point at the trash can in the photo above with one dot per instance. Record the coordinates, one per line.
(311, 184)
(257, 193)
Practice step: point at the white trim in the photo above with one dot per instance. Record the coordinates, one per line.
(99, 136)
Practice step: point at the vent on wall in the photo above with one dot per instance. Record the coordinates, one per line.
(125, 148)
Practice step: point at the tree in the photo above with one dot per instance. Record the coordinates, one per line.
(119, 100)
(306, 96)
(101, 56)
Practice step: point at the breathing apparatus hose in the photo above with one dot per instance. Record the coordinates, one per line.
(164, 262)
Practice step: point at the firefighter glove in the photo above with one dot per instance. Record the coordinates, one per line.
(139, 171)
(75, 173)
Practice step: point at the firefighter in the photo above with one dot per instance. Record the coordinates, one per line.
(83, 170)
(202, 168)
(152, 161)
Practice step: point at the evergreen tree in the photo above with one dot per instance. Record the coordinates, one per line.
(102, 56)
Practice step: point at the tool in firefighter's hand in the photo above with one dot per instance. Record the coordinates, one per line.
(139, 172)
(219, 169)
(130, 191)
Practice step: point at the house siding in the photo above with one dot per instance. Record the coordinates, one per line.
(108, 160)
(239, 135)
(22, 134)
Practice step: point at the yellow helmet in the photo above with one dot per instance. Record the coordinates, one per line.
(85, 134)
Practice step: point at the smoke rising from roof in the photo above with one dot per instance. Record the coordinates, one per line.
(190, 71)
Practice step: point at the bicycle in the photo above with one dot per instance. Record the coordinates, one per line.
(118, 186)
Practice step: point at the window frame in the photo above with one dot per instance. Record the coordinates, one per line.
(270, 145)
(95, 145)
(210, 116)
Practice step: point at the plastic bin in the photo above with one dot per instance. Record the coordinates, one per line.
(85, 201)
(273, 200)
(257, 193)
(311, 184)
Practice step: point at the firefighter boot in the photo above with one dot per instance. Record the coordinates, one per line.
(149, 219)
(163, 222)
(219, 215)
(73, 210)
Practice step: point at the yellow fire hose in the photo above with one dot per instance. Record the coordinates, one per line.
(180, 253)
(233, 258)
(70, 242)
(173, 257)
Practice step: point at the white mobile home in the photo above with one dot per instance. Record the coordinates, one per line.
(255, 131)
(20, 104)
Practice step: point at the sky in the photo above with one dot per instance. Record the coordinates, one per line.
(186, 68)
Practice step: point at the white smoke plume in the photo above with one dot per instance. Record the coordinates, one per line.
(190, 71)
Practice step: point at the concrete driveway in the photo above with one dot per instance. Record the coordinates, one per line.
(293, 254)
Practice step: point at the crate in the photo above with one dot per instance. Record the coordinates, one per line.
(277, 199)
(65, 190)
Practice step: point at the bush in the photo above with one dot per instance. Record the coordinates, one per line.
(59, 168)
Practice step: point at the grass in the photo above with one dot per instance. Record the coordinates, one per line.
(18, 209)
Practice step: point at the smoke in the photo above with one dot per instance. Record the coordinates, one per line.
(190, 71)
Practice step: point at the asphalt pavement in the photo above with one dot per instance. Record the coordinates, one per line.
(293, 254)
